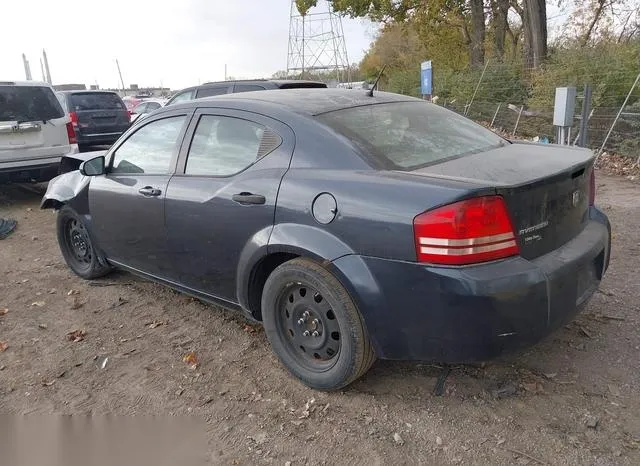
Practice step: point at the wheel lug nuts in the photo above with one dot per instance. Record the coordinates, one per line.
(300, 321)
(305, 333)
(315, 334)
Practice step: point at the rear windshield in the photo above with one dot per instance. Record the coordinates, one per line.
(410, 135)
(96, 101)
(28, 103)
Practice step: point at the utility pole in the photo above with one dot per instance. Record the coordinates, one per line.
(124, 91)
(44, 77)
(27, 68)
(46, 66)
(225, 71)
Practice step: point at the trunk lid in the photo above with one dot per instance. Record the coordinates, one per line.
(545, 187)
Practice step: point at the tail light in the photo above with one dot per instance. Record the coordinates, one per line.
(128, 114)
(74, 118)
(71, 134)
(466, 232)
(592, 187)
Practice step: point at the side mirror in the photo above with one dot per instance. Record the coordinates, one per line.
(93, 167)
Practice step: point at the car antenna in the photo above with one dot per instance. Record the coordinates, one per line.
(375, 84)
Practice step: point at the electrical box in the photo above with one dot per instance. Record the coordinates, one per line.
(565, 106)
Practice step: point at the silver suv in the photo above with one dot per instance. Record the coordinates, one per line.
(34, 132)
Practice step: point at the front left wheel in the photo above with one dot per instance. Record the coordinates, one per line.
(77, 247)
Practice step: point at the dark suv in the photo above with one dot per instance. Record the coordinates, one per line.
(98, 117)
(230, 87)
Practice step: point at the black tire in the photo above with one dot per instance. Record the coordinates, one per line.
(328, 347)
(77, 247)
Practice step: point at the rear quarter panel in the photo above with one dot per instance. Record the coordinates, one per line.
(375, 209)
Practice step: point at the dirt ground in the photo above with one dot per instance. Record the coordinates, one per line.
(572, 399)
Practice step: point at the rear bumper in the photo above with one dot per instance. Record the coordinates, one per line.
(418, 312)
(33, 169)
(88, 139)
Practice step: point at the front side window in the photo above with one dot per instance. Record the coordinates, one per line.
(410, 135)
(223, 146)
(150, 149)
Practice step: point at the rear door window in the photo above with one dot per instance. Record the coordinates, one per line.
(223, 146)
(28, 103)
(96, 101)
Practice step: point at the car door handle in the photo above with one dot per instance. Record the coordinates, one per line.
(148, 191)
(248, 198)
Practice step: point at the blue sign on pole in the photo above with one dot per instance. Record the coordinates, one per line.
(426, 77)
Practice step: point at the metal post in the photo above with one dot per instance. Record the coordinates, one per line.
(476, 90)
(617, 116)
(517, 121)
(586, 115)
(495, 115)
(124, 91)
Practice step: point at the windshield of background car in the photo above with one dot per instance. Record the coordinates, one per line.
(28, 103)
(96, 101)
(410, 135)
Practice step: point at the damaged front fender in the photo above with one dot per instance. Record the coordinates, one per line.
(68, 188)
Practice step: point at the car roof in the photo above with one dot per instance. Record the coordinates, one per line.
(25, 83)
(87, 92)
(311, 101)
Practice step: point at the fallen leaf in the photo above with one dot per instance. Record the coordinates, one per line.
(3, 312)
(397, 439)
(156, 323)
(38, 304)
(250, 329)
(191, 359)
(72, 292)
(76, 335)
(53, 291)
(3, 346)
(77, 304)
(48, 384)
(43, 326)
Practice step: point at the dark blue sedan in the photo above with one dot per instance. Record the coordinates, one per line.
(354, 227)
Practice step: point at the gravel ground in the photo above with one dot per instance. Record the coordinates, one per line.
(572, 399)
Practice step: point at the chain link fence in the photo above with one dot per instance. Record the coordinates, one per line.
(518, 102)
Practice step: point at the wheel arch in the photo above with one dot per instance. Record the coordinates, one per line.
(286, 242)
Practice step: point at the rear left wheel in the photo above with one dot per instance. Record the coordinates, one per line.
(77, 247)
(314, 327)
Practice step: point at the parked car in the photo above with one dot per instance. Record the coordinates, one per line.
(353, 227)
(145, 107)
(35, 133)
(231, 87)
(98, 117)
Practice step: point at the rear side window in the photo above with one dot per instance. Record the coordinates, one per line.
(96, 101)
(211, 91)
(410, 135)
(188, 95)
(28, 103)
(247, 88)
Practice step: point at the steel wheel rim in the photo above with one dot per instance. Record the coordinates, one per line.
(78, 243)
(308, 327)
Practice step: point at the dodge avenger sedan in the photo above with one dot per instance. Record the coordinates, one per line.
(354, 227)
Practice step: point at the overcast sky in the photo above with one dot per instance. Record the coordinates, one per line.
(174, 42)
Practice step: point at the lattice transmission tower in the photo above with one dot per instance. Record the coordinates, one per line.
(317, 44)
